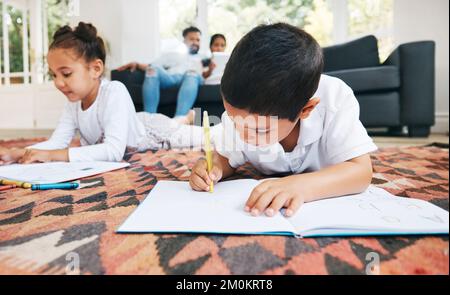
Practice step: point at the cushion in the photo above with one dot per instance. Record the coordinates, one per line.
(359, 53)
(370, 79)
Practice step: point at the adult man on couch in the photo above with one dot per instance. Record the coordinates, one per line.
(184, 70)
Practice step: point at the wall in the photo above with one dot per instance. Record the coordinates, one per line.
(130, 28)
(30, 106)
(416, 20)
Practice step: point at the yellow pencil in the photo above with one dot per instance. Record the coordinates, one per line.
(207, 147)
(16, 183)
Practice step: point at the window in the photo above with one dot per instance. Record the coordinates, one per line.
(175, 15)
(14, 37)
(372, 17)
(2, 64)
(27, 26)
(23, 46)
(56, 15)
(235, 18)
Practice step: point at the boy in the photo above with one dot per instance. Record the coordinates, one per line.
(283, 116)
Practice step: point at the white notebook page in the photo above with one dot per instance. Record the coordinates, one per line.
(374, 210)
(55, 172)
(172, 206)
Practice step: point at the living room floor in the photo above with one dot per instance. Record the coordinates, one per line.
(380, 141)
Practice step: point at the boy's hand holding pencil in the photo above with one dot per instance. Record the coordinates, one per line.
(200, 179)
(205, 172)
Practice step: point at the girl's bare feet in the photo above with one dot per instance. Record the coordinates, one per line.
(188, 119)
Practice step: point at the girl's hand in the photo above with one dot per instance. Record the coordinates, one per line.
(200, 179)
(35, 156)
(3, 154)
(8, 156)
(272, 195)
(44, 156)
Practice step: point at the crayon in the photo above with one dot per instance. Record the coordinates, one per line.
(7, 187)
(16, 183)
(67, 185)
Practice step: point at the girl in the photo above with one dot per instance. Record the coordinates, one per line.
(219, 59)
(218, 43)
(100, 110)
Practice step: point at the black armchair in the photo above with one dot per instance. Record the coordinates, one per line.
(397, 93)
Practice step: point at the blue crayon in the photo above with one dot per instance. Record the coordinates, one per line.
(67, 185)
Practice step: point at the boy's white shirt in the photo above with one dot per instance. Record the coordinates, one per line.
(112, 114)
(331, 134)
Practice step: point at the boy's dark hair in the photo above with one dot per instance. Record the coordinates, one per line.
(83, 39)
(273, 70)
(216, 36)
(191, 29)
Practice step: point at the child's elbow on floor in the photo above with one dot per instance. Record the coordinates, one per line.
(367, 175)
(365, 171)
(368, 178)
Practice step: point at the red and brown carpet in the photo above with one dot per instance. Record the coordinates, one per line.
(40, 231)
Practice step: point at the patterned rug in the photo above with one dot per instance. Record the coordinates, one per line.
(44, 232)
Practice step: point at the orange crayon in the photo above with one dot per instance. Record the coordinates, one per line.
(7, 187)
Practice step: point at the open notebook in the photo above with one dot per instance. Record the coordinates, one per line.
(172, 206)
(54, 172)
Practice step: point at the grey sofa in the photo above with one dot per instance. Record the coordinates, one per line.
(395, 94)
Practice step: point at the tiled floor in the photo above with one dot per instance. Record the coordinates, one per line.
(6, 134)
